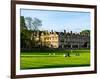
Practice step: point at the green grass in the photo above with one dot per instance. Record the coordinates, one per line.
(34, 60)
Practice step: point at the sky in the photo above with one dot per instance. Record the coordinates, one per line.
(60, 20)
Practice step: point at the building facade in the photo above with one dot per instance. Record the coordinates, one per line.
(65, 40)
(73, 40)
(49, 39)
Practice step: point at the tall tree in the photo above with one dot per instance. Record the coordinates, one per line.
(29, 22)
(33, 24)
(33, 29)
(23, 30)
(22, 23)
(36, 24)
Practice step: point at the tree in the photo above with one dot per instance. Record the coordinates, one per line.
(30, 34)
(83, 32)
(33, 24)
(29, 22)
(36, 23)
(23, 31)
(22, 23)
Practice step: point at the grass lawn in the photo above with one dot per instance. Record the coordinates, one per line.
(36, 60)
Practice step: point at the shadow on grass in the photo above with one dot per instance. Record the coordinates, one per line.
(56, 66)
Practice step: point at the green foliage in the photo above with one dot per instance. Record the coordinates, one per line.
(85, 32)
(36, 23)
(23, 31)
(29, 22)
(28, 26)
(22, 23)
(33, 24)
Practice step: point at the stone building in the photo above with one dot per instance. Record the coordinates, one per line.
(73, 40)
(65, 40)
(49, 39)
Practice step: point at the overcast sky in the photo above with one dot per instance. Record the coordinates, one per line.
(60, 20)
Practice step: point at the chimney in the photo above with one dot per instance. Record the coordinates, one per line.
(71, 32)
(51, 31)
(65, 31)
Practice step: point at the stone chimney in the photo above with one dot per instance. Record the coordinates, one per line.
(51, 31)
(71, 32)
(65, 31)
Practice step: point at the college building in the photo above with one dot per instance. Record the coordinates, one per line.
(64, 40)
(73, 40)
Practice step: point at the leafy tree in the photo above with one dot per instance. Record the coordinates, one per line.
(29, 22)
(33, 24)
(36, 23)
(22, 29)
(85, 32)
(25, 33)
(22, 23)
(28, 36)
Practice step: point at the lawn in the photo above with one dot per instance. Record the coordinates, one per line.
(36, 60)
